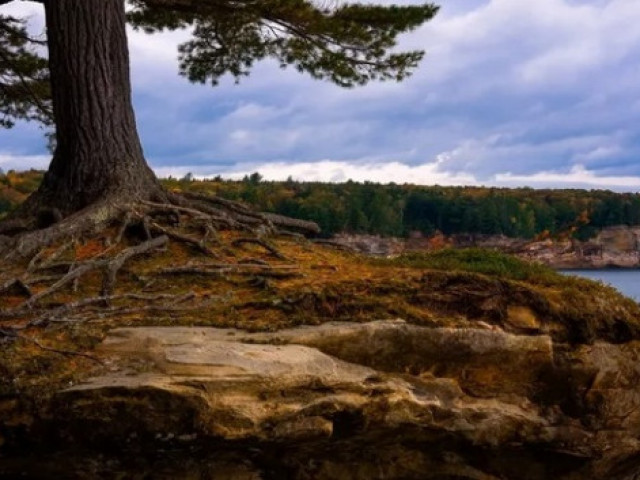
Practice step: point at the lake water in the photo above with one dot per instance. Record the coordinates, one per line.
(627, 281)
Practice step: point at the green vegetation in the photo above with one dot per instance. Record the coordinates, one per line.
(24, 78)
(398, 210)
(476, 260)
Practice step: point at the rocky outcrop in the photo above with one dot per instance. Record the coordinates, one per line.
(379, 400)
(613, 247)
(372, 244)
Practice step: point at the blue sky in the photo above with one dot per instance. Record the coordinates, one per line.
(511, 93)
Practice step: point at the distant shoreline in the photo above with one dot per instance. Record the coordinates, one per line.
(613, 268)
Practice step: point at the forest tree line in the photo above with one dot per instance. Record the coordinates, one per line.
(399, 210)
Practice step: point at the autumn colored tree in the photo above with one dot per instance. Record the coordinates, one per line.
(98, 163)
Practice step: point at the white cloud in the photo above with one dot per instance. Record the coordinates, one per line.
(153, 58)
(23, 162)
(430, 173)
(341, 171)
(375, 170)
(332, 171)
(254, 112)
(577, 177)
(33, 11)
(507, 88)
(512, 150)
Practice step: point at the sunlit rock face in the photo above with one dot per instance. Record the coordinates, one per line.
(380, 400)
(617, 246)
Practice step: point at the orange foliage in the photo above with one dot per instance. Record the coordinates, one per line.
(583, 218)
(89, 249)
(543, 235)
(438, 241)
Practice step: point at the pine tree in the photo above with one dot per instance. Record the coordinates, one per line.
(24, 83)
(98, 163)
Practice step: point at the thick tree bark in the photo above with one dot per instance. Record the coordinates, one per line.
(98, 155)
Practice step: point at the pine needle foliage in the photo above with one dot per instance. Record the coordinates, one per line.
(346, 43)
(24, 80)
(349, 44)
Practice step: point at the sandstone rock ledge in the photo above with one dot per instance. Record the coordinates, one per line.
(613, 247)
(378, 400)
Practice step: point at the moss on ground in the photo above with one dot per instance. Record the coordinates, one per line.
(469, 288)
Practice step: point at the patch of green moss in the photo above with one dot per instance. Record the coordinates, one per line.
(476, 260)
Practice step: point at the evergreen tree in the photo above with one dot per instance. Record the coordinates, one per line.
(24, 83)
(98, 161)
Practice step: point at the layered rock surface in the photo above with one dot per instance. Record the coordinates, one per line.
(617, 247)
(376, 400)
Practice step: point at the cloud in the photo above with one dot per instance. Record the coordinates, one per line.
(23, 162)
(430, 173)
(577, 177)
(30, 10)
(331, 171)
(508, 90)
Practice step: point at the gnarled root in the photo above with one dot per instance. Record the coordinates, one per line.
(42, 266)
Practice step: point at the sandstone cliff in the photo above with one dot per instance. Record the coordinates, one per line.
(613, 247)
(380, 400)
(304, 371)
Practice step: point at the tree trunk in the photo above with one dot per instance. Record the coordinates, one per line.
(98, 155)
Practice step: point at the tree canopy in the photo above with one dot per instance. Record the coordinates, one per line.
(402, 210)
(347, 43)
(98, 166)
(24, 81)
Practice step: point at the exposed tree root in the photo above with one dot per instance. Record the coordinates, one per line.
(68, 313)
(126, 222)
(208, 212)
(171, 308)
(195, 243)
(267, 246)
(40, 263)
(287, 271)
(69, 353)
(41, 267)
(109, 266)
(68, 278)
(113, 266)
(245, 213)
(85, 222)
